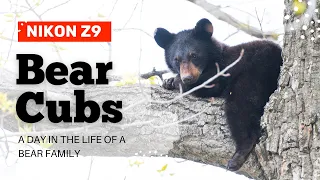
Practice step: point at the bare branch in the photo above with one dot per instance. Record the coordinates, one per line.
(54, 7)
(260, 21)
(32, 9)
(154, 72)
(40, 18)
(231, 35)
(8, 39)
(114, 5)
(134, 9)
(90, 167)
(134, 29)
(14, 30)
(219, 14)
(180, 121)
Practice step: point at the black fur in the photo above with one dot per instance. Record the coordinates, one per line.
(246, 91)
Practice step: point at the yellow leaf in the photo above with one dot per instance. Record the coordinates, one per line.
(163, 168)
(138, 163)
(6, 105)
(299, 7)
(275, 36)
(128, 80)
(9, 15)
(101, 15)
(153, 80)
(62, 48)
(37, 2)
(19, 15)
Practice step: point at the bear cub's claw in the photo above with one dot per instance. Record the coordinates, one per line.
(233, 165)
(168, 84)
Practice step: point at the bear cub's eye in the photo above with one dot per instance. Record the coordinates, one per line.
(193, 55)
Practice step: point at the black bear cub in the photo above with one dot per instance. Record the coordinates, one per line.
(193, 54)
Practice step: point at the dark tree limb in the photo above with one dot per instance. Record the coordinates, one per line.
(154, 72)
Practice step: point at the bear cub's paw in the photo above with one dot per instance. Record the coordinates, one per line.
(172, 83)
(168, 84)
(238, 159)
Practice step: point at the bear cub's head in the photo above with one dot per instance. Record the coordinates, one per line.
(191, 53)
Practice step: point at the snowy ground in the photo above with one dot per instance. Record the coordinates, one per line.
(174, 15)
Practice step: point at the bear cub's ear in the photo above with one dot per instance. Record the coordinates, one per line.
(204, 28)
(163, 37)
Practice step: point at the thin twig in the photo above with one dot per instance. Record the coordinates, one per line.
(14, 30)
(40, 18)
(112, 9)
(90, 167)
(134, 29)
(154, 72)
(260, 21)
(134, 9)
(134, 124)
(180, 121)
(231, 35)
(6, 142)
(223, 16)
(54, 7)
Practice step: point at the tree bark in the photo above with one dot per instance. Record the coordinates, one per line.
(291, 118)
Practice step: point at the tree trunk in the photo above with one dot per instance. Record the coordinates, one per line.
(291, 118)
